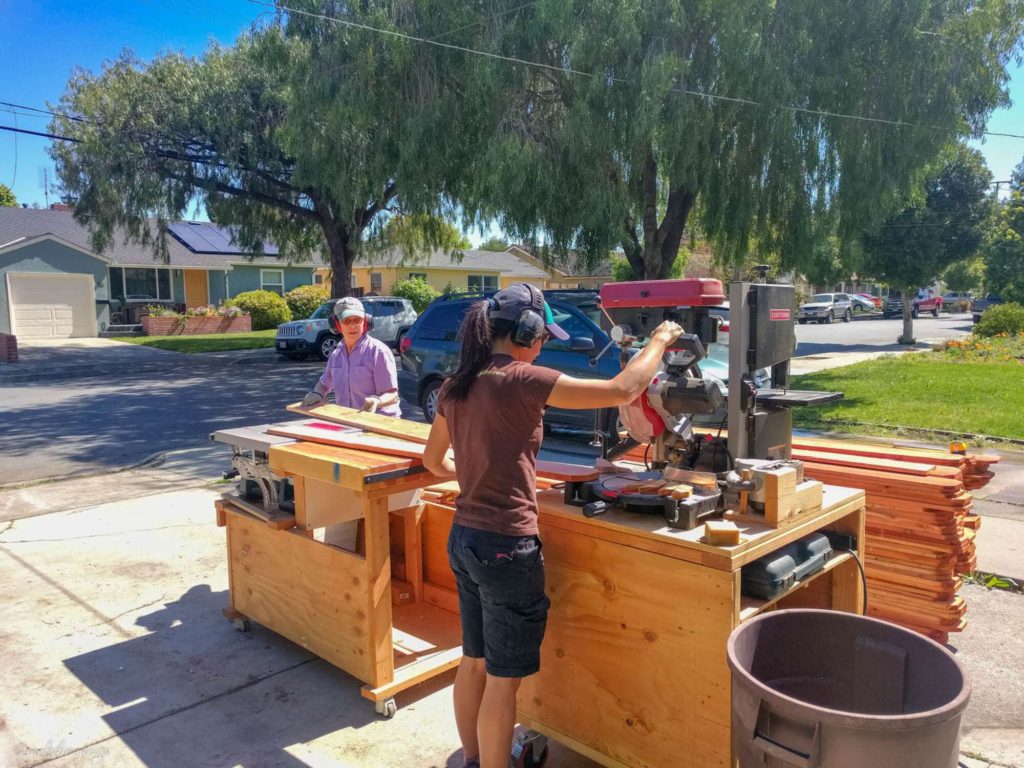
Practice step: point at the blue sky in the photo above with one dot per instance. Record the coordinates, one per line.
(42, 41)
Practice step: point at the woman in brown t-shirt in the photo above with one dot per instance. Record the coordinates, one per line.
(490, 411)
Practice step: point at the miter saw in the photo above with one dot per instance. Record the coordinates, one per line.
(689, 477)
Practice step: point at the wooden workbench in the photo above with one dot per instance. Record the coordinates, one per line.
(336, 602)
(633, 666)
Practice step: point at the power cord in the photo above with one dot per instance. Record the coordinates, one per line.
(847, 542)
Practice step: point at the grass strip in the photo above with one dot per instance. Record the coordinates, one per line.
(213, 342)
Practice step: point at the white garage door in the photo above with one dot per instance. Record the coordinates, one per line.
(52, 306)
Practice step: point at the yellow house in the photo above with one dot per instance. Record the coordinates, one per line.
(475, 271)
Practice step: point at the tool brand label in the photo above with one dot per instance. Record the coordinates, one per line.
(779, 314)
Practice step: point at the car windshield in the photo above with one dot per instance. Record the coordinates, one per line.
(822, 297)
(322, 311)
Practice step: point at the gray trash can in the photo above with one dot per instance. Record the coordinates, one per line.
(824, 689)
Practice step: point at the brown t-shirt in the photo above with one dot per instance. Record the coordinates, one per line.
(496, 433)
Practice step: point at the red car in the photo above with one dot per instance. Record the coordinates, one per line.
(876, 300)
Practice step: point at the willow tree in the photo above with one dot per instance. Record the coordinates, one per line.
(1004, 251)
(288, 136)
(778, 123)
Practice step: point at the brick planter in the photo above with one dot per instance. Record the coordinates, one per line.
(193, 326)
(8, 348)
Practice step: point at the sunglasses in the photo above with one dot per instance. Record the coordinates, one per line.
(352, 321)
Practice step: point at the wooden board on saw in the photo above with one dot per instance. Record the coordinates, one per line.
(387, 438)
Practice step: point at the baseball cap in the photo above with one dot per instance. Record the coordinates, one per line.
(349, 307)
(518, 298)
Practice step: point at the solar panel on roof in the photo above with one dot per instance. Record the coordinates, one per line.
(204, 237)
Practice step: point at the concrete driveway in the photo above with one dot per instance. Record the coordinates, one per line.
(101, 353)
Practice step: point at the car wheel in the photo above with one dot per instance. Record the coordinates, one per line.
(847, 316)
(325, 345)
(914, 313)
(831, 317)
(802, 322)
(428, 400)
(935, 312)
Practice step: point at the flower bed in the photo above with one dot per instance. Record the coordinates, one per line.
(196, 321)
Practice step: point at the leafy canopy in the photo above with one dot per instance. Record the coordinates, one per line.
(647, 111)
(7, 198)
(1004, 250)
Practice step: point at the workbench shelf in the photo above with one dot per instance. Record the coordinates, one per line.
(752, 606)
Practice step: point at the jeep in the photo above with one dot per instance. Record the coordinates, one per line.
(391, 319)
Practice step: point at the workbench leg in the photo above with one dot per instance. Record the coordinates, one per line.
(378, 562)
(412, 536)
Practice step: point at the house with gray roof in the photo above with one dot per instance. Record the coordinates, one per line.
(54, 285)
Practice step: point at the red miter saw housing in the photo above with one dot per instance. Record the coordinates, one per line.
(688, 292)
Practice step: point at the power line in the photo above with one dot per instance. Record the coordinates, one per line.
(618, 80)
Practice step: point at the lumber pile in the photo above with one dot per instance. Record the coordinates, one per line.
(919, 526)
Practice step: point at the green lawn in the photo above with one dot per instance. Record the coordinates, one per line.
(923, 391)
(213, 342)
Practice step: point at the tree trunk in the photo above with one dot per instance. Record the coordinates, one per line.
(343, 247)
(908, 321)
(661, 241)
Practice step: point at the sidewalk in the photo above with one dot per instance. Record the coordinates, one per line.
(110, 596)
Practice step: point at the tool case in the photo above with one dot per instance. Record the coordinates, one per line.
(771, 575)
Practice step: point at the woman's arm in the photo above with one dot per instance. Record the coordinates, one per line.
(580, 394)
(436, 456)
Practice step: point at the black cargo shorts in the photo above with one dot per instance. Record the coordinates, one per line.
(502, 602)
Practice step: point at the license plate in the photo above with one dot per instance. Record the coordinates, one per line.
(282, 345)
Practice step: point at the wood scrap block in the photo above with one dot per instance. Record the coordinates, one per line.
(721, 533)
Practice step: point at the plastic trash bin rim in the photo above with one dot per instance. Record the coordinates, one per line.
(808, 711)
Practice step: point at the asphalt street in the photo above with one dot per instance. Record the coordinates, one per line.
(106, 422)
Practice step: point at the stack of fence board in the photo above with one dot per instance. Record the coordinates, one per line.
(919, 526)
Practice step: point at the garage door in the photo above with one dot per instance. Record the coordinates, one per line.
(52, 306)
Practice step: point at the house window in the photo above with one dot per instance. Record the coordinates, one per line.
(376, 282)
(420, 275)
(318, 279)
(272, 280)
(140, 283)
(483, 283)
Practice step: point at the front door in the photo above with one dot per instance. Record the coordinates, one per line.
(197, 288)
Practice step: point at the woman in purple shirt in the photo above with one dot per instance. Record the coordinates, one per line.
(361, 371)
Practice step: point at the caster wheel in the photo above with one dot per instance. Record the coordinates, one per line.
(529, 751)
(386, 707)
(243, 625)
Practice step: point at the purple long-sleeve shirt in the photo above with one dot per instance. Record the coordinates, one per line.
(369, 369)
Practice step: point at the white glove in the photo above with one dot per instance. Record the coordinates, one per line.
(312, 399)
(371, 404)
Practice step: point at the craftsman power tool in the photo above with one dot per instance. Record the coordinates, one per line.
(679, 462)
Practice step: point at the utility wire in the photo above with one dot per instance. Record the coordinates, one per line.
(618, 80)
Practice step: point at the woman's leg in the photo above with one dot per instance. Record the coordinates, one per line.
(469, 691)
(497, 721)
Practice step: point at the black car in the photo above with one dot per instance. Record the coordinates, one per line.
(430, 352)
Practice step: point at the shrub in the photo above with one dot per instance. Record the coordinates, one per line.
(158, 310)
(416, 290)
(304, 300)
(1001, 319)
(268, 310)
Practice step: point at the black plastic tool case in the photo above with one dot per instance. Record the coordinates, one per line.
(774, 573)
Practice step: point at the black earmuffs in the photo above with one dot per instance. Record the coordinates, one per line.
(530, 324)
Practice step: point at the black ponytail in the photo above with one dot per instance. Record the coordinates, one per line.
(476, 334)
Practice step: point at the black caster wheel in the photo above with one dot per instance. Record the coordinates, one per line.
(530, 750)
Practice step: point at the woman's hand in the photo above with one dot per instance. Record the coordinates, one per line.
(667, 332)
(371, 404)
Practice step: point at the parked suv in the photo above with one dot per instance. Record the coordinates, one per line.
(430, 353)
(392, 317)
(893, 306)
(826, 308)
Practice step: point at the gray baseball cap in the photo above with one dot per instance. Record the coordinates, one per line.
(518, 298)
(349, 307)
